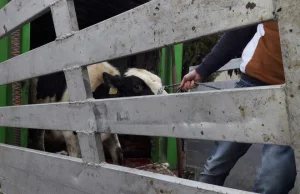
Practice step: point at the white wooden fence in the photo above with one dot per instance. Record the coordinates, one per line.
(150, 26)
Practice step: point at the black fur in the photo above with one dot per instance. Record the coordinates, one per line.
(120, 155)
(127, 87)
(51, 85)
(102, 92)
(55, 85)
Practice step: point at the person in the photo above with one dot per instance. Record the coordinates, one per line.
(261, 65)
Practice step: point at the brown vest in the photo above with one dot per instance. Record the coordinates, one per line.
(264, 52)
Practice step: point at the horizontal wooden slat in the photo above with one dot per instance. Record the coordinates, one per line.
(60, 116)
(36, 172)
(243, 115)
(150, 26)
(253, 115)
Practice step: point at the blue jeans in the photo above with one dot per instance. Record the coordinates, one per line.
(276, 175)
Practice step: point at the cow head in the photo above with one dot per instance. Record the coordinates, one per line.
(135, 82)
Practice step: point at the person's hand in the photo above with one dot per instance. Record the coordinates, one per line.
(188, 81)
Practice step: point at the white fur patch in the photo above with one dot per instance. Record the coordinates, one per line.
(152, 80)
(96, 71)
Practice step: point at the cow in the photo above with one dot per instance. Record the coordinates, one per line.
(106, 82)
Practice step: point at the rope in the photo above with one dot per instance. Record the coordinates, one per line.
(16, 87)
(197, 83)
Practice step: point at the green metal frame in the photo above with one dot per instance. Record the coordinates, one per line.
(165, 149)
(7, 134)
(172, 144)
(4, 55)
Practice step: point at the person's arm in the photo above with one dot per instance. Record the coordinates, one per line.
(228, 47)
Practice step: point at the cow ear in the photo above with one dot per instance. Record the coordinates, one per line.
(111, 80)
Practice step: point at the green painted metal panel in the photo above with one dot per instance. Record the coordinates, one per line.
(172, 143)
(179, 61)
(159, 143)
(165, 149)
(4, 55)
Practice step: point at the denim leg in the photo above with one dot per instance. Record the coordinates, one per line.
(222, 160)
(224, 156)
(277, 174)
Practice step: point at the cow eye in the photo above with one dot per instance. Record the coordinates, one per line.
(138, 87)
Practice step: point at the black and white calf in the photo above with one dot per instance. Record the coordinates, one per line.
(106, 82)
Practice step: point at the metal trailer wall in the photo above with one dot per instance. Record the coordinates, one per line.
(150, 26)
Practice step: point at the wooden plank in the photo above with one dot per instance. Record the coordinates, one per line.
(245, 115)
(159, 23)
(37, 172)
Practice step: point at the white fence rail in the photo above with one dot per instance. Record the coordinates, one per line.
(253, 114)
(48, 173)
(175, 115)
(159, 23)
